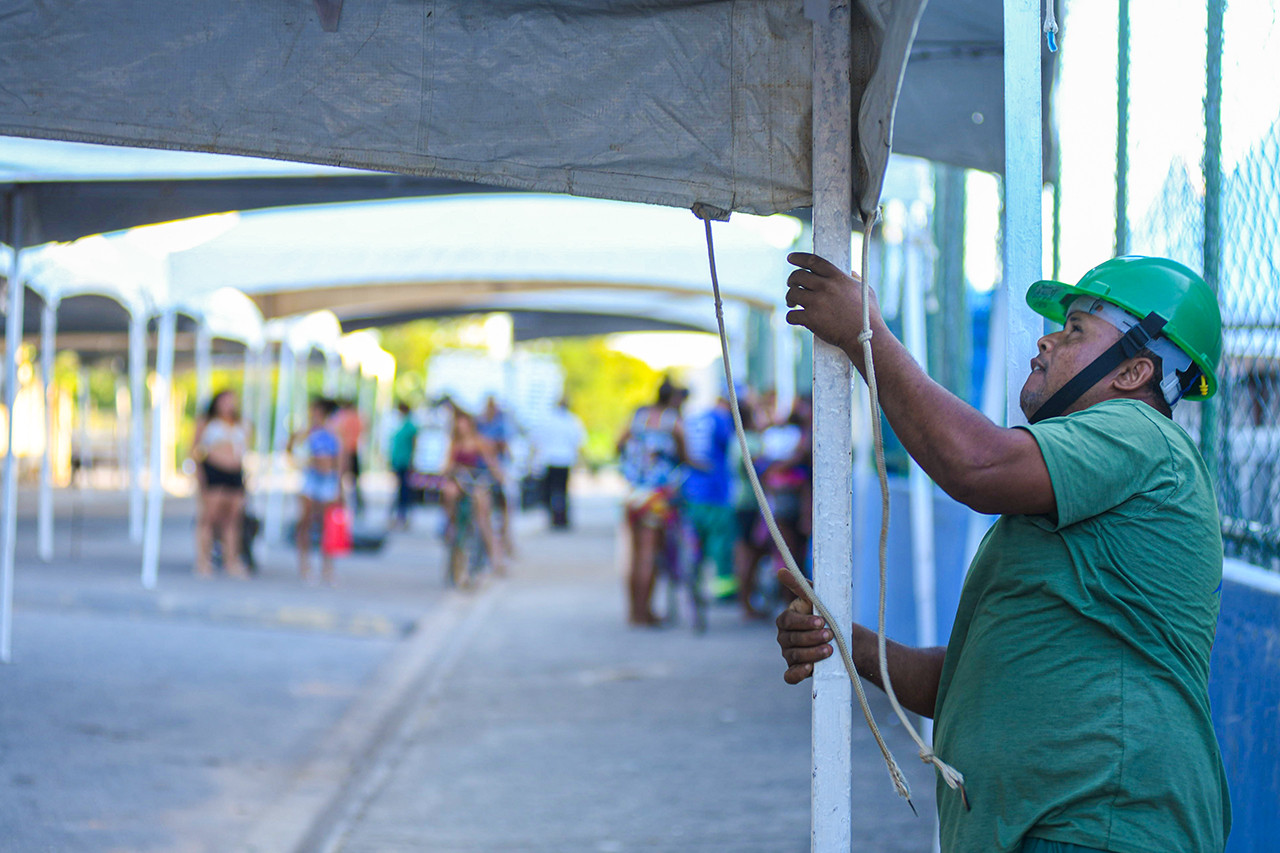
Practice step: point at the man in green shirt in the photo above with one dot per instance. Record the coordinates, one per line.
(1073, 691)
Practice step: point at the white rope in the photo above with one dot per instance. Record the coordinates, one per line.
(950, 775)
(895, 772)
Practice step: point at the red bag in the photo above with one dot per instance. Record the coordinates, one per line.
(335, 535)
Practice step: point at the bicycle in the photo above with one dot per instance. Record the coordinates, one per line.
(468, 556)
(679, 563)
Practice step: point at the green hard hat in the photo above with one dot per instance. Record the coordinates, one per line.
(1141, 285)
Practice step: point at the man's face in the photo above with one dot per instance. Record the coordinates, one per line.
(1062, 355)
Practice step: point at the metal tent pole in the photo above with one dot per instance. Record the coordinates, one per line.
(137, 392)
(1213, 415)
(332, 373)
(48, 349)
(1122, 128)
(248, 387)
(784, 354)
(1023, 175)
(832, 732)
(366, 407)
(155, 486)
(262, 423)
(920, 488)
(272, 526)
(13, 215)
(204, 366)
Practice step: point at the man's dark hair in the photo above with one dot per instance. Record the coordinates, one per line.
(326, 405)
(666, 392)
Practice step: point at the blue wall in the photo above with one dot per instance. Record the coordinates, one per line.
(951, 531)
(1244, 682)
(1244, 690)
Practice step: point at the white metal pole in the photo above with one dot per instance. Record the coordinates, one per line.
(248, 388)
(204, 366)
(302, 392)
(919, 486)
(993, 402)
(784, 355)
(272, 525)
(48, 345)
(332, 373)
(366, 407)
(1023, 176)
(81, 434)
(120, 434)
(155, 486)
(832, 720)
(918, 272)
(262, 425)
(12, 340)
(137, 392)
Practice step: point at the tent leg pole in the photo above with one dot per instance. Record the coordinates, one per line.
(13, 215)
(155, 487)
(48, 344)
(1023, 177)
(262, 424)
(784, 354)
(920, 488)
(272, 527)
(832, 732)
(137, 392)
(204, 366)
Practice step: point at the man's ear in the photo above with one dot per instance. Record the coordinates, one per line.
(1134, 374)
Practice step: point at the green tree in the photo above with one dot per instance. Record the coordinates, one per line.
(604, 388)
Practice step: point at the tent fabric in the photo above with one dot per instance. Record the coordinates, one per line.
(672, 102)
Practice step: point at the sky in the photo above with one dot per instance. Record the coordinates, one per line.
(1166, 112)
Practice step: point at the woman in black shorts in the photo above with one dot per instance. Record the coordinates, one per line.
(220, 444)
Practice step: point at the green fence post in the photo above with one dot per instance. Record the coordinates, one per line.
(1212, 436)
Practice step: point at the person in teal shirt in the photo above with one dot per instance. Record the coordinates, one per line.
(402, 446)
(1073, 693)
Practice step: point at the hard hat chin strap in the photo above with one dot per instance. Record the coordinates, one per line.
(1133, 342)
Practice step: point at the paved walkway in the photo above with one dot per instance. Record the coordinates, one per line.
(554, 727)
(394, 715)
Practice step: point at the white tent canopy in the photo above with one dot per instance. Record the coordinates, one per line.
(389, 258)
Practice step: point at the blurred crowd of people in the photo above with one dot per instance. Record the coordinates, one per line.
(685, 473)
(688, 484)
(438, 453)
(328, 456)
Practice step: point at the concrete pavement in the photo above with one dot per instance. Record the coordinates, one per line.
(392, 714)
(555, 727)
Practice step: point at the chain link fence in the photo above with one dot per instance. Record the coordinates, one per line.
(1209, 196)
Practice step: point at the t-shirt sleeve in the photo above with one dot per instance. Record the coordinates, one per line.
(1099, 458)
(323, 443)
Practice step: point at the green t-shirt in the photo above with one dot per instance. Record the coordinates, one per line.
(1074, 693)
(402, 441)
